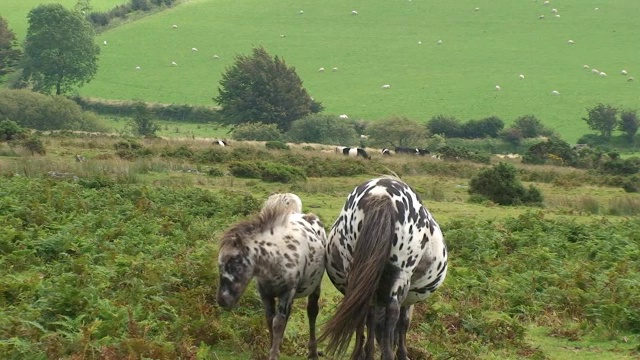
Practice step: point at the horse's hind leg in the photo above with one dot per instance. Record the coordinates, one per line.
(392, 313)
(370, 347)
(280, 323)
(312, 314)
(403, 325)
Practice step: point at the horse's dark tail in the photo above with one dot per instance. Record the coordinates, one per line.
(370, 257)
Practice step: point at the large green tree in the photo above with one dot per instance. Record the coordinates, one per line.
(629, 123)
(9, 51)
(602, 118)
(59, 50)
(259, 88)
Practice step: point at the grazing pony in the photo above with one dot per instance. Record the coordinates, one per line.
(385, 252)
(284, 250)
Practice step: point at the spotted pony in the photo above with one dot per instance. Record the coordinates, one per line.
(284, 250)
(385, 252)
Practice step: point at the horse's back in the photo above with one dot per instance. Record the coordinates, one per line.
(418, 251)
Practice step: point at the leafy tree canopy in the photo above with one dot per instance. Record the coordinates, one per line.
(259, 88)
(59, 49)
(9, 51)
(629, 123)
(323, 129)
(602, 118)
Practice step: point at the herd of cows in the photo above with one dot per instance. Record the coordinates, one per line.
(356, 151)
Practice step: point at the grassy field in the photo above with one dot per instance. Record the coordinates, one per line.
(119, 263)
(16, 11)
(480, 49)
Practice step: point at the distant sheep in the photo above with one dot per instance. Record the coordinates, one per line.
(498, 88)
(216, 57)
(173, 63)
(137, 67)
(175, 26)
(554, 11)
(476, 9)
(541, 17)
(595, 71)
(545, 3)
(105, 42)
(344, 116)
(334, 69)
(570, 42)
(194, 49)
(353, 12)
(623, 72)
(585, 66)
(386, 86)
(364, 137)
(321, 69)
(521, 77)
(555, 92)
(439, 42)
(557, 15)
(301, 12)
(631, 78)
(419, 42)
(602, 73)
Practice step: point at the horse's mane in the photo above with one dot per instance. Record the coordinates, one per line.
(272, 215)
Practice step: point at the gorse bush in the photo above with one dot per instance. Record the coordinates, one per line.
(43, 112)
(322, 129)
(501, 185)
(256, 132)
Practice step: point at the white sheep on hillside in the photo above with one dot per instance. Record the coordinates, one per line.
(194, 49)
(439, 42)
(353, 12)
(137, 67)
(498, 88)
(521, 77)
(554, 11)
(570, 42)
(386, 86)
(595, 71)
(623, 72)
(585, 66)
(555, 92)
(175, 26)
(334, 69)
(321, 69)
(344, 116)
(173, 63)
(216, 57)
(602, 73)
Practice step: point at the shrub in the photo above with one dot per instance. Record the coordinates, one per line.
(43, 112)
(540, 153)
(632, 185)
(214, 171)
(256, 132)
(34, 145)
(500, 185)
(448, 126)
(9, 130)
(531, 127)
(487, 127)
(276, 145)
(617, 166)
(322, 129)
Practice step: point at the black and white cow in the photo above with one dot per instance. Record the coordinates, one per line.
(414, 151)
(385, 151)
(352, 151)
(220, 142)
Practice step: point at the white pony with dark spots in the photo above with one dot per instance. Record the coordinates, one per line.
(284, 250)
(385, 252)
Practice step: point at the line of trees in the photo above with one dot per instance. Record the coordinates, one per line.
(606, 118)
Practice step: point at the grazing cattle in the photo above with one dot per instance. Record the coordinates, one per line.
(385, 252)
(414, 151)
(284, 250)
(220, 142)
(353, 151)
(385, 151)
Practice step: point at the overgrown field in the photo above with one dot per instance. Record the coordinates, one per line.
(480, 49)
(115, 257)
(16, 11)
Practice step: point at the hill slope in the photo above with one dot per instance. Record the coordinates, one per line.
(479, 50)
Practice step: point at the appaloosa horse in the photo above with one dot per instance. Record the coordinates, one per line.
(284, 250)
(385, 252)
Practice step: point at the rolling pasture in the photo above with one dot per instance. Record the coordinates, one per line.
(380, 45)
(16, 11)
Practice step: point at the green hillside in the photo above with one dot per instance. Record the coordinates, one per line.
(16, 11)
(480, 49)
